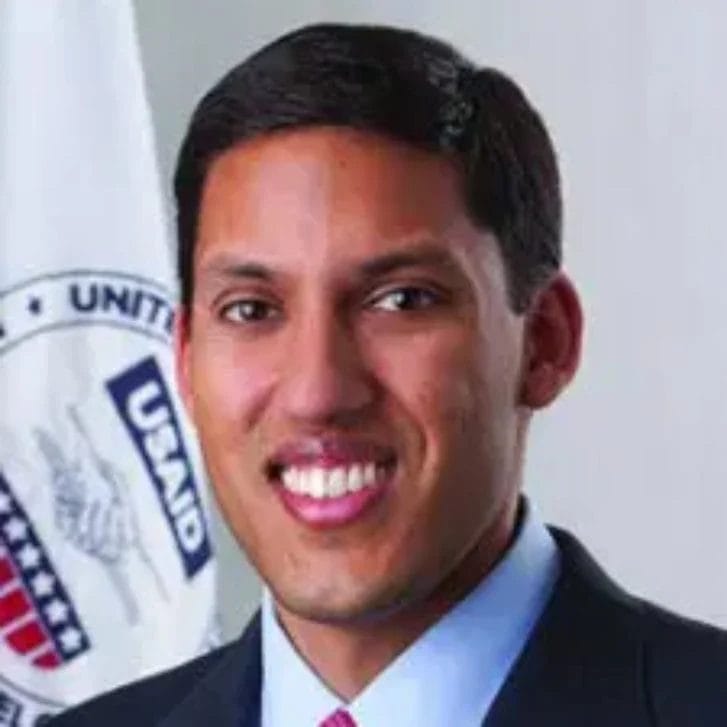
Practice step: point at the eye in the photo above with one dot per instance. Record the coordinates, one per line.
(405, 298)
(250, 310)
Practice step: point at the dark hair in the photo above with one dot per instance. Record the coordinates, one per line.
(407, 86)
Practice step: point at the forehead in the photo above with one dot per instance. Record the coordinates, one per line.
(327, 195)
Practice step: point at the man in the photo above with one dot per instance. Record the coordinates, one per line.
(372, 309)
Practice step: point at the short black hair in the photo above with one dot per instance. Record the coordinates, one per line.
(406, 86)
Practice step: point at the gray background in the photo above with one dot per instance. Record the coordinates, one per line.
(632, 459)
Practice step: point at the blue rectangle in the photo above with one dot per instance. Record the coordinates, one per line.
(146, 408)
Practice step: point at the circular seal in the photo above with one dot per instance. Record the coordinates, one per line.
(106, 567)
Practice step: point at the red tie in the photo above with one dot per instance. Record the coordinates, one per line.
(340, 718)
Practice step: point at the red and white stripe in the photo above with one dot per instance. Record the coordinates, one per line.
(20, 627)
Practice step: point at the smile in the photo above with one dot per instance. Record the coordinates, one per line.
(331, 482)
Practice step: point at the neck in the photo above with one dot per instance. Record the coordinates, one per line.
(347, 657)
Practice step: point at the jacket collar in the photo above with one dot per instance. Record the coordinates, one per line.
(228, 695)
(584, 663)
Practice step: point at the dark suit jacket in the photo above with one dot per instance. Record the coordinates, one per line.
(598, 657)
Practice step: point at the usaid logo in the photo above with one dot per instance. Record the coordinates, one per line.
(106, 564)
(144, 404)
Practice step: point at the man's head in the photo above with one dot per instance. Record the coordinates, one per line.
(369, 244)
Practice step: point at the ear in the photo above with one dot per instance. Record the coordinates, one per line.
(553, 336)
(182, 365)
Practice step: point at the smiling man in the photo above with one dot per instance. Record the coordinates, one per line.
(372, 309)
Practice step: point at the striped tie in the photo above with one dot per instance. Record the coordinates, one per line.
(340, 718)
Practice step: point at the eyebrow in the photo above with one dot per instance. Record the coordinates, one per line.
(421, 255)
(424, 254)
(226, 266)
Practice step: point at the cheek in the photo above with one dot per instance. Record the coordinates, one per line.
(229, 388)
(433, 377)
(456, 395)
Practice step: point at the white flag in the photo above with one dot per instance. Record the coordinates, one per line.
(106, 569)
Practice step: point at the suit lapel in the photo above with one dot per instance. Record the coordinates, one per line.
(584, 662)
(229, 694)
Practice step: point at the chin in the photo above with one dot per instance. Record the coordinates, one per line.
(346, 604)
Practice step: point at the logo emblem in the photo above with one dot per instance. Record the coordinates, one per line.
(106, 566)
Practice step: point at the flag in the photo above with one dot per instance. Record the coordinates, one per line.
(106, 566)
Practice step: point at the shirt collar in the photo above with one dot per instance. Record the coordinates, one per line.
(449, 675)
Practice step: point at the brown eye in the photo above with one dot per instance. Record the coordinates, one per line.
(248, 311)
(404, 299)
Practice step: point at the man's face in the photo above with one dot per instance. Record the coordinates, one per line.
(352, 367)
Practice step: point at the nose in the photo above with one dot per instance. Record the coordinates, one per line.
(326, 379)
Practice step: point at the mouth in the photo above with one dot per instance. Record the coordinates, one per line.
(330, 483)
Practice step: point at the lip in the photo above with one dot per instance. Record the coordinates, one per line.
(332, 512)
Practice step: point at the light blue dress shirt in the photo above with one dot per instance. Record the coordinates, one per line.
(450, 675)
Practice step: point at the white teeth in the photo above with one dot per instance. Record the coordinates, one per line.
(337, 481)
(355, 478)
(369, 474)
(320, 483)
(314, 482)
(290, 479)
